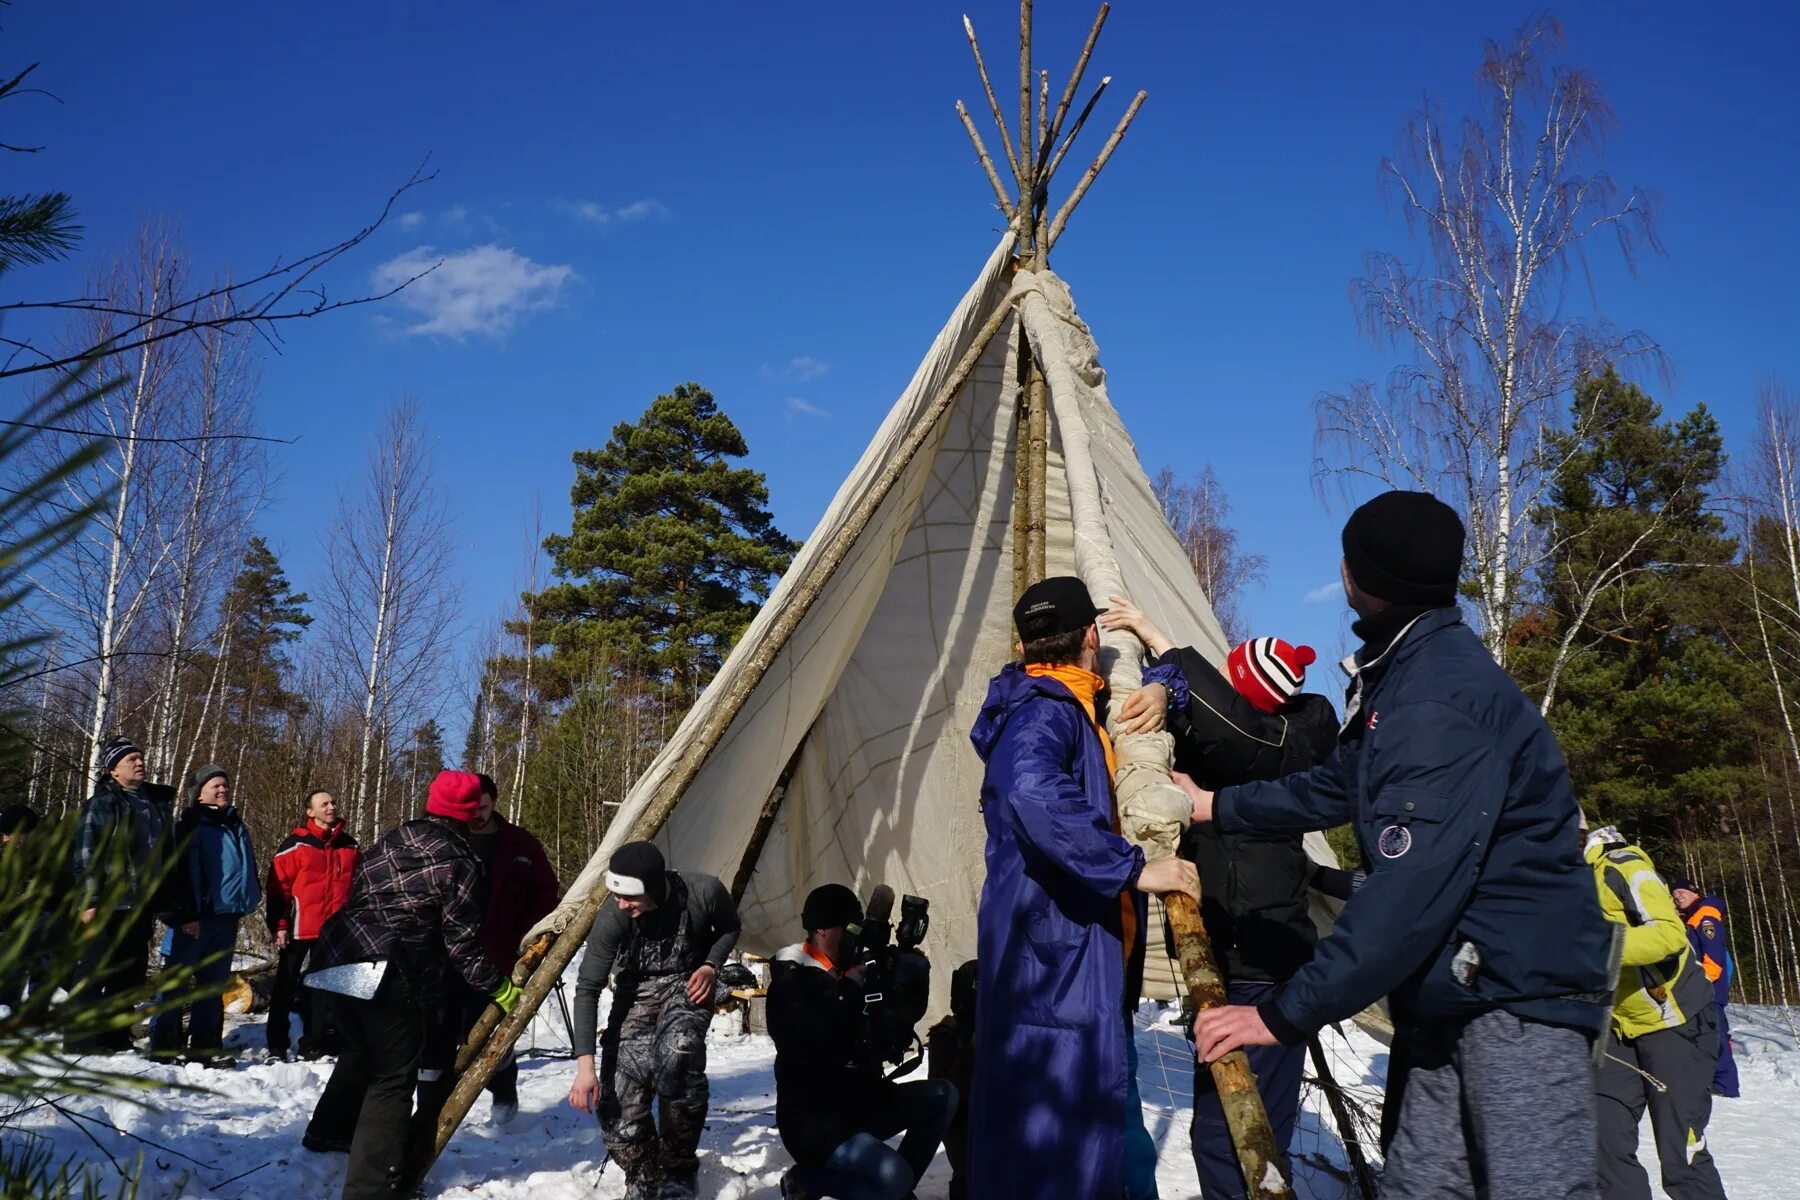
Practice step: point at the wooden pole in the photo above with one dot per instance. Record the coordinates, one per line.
(994, 104)
(1026, 166)
(765, 821)
(1334, 1096)
(549, 956)
(1021, 524)
(1093, 172)
(1081, 120)
(1265, 1171)
(1038, 435)
(1068, 95)
(987, 164)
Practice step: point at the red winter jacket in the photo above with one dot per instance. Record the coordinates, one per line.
(309, 879)
(521, 887)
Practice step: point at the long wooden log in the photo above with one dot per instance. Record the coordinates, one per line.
(1093, 172)
(495, 1033)
(1021, 514)
(1265, 1171)
(1062, 108)
(987, 85)
(987, 163)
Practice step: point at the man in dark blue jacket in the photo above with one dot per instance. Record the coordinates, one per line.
(1477, 919)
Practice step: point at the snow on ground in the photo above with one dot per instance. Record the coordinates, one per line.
(241, 1138)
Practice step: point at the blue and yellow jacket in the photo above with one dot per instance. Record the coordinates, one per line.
(1706, 934)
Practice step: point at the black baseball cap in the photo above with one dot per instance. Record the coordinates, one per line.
(1060, 604)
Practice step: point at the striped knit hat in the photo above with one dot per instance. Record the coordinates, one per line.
(1268, 671)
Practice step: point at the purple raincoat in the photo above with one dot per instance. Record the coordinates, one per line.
(1047, 1110)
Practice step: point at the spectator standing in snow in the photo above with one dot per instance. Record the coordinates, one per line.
(518, 887)
(215, 885)
(1054, 1107)
(667, 933)
(1474, 919)
(1664, 1028)
(1705, 916)
(126, 825)
(833, 1107)
(309, 880)
(16, 823)
(414, 910)
(1251, 723)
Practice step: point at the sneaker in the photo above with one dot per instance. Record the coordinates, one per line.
(323, 1145)
(503, 1112)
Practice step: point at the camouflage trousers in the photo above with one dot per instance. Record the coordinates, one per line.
(655, 1053)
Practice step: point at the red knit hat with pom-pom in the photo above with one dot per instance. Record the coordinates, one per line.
(1268, 671)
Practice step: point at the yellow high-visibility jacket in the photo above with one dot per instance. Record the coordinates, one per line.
(1660, 986)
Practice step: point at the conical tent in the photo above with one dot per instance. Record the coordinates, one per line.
(850, 759)
(833, 744)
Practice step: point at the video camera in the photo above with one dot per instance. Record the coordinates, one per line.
(896, 979)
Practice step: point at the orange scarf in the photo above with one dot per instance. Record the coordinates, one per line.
(1086, 687)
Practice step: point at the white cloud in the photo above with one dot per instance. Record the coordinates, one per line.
(410, 220)
(591, 212)
(483, 290)
(802, 369)
(796, 407)
(1325, 592)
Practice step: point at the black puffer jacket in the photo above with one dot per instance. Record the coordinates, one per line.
(824, 1091)
(1253, 887)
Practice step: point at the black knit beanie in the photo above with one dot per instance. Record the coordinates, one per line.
(829, 906)
(114, 750)
(1405, 548)
(637, 869)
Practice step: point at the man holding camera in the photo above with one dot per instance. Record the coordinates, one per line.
(667, 932)
(833, 1106)
(1054, 1109)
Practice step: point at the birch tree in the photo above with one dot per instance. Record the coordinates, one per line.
(388, 599)
(1198, 512)
(1504, 207)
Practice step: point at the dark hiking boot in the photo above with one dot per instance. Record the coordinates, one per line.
(791, 1188)
(680, 1187)
(325, 1145)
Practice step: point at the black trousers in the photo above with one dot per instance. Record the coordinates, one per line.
(446, 1028)
(125, 968)
(368, 1100)
(289, 995)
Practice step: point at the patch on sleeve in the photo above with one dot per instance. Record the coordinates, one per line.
(1394, 841)
(1710, 929)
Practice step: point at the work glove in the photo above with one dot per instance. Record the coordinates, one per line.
(506, 995)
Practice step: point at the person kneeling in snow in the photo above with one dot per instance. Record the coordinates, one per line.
(415, 902)
(1253, 886)
(667, 932)
(833, 1107)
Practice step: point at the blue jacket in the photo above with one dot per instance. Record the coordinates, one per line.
(1712, 949)
(218, 865)
(1470, 832)
(1047, 1107)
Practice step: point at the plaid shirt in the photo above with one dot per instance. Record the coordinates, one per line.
(415, 900)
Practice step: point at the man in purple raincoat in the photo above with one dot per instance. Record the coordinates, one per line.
(1054, 1109)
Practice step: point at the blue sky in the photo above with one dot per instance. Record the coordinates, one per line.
(778, 202)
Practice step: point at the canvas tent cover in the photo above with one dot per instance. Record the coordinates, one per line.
(880, 683)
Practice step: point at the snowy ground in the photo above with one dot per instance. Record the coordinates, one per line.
(242, 1138)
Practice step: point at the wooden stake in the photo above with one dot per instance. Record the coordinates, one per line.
(1093, 172)
(548, 957)
(1265, 1171)
(987, 164)
(1043, 113)
(994, 104)
(1081, 120)
(1068, 96)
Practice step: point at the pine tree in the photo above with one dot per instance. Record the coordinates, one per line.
(1630, 643)
(266, 615)
(672, 547)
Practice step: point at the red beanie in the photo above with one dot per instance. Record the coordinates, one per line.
(454, 794)
(1268, 671)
